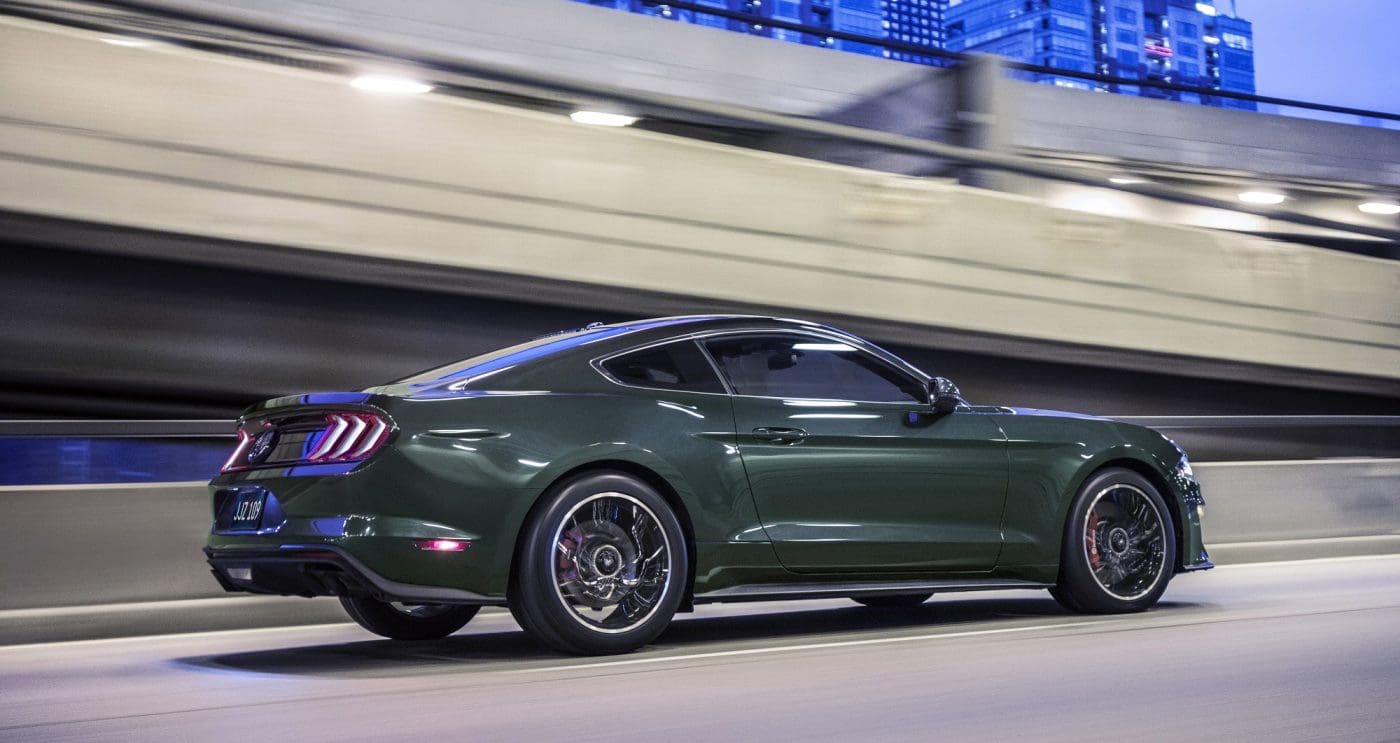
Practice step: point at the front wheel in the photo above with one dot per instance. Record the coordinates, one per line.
(398, 621)
(1119, 546)
(601, 566)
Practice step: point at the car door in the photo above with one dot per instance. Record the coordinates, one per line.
(849, 467)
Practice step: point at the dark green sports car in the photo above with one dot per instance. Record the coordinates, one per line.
(598, 481)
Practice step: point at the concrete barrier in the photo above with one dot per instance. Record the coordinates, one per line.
(77, 545)
(74, 546)
(1300, 500)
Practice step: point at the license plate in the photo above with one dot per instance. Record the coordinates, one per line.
(247, 511)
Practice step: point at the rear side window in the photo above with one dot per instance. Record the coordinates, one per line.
(674, 366)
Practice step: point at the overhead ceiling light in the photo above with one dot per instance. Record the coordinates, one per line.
(1262, 197)
(1384, 208)
(126, 42)
(1095, 201)
(390, 84)
(1126, 180)
(599, 118)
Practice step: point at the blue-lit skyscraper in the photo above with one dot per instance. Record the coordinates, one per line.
(1173, 41)
(1051, 33)
(917, 22)
(1187, 42)
(1229, 43)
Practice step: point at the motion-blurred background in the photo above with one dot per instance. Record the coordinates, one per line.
(203, 204)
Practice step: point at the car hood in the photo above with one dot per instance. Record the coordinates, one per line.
(1054, 413)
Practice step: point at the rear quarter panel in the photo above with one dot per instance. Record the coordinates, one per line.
(515, 445)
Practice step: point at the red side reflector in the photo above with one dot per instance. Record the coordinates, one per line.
(443, 545)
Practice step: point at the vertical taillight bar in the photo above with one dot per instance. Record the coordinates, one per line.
(244, 441)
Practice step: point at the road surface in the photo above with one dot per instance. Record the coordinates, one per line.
(1279, 651)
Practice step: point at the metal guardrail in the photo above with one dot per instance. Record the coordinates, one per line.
(219, 428)
(1181, 422)
(95, 452)
(467, 78)
(124, 429)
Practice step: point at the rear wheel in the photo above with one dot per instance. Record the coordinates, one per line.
(892, 602)
(407, 621)
(601, 567)
(1119, 546)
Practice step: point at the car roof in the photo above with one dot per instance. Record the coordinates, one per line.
(627, 334)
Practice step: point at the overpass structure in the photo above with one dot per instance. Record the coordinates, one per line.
(970, 217)
(205, 212)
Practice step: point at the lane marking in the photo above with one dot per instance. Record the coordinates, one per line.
(232, 602)
(175, 636)
(347, 623)
(809, 646)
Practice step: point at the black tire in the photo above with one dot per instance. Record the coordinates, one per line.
(1119, 549)
(407, 622)
(601, 566)
(892, 602)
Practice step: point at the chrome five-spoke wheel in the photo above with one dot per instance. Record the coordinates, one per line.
(1120, 545)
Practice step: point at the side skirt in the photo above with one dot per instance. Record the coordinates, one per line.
(781, 591)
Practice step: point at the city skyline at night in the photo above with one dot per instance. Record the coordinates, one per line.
(1208, 44)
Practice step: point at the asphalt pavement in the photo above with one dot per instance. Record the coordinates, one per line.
(1303, 650)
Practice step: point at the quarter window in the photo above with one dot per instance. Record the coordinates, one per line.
(810, 367)
(674, 366)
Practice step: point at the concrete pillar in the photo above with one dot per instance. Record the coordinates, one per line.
(984, 118)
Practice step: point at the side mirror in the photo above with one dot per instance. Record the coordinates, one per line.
(943, 395)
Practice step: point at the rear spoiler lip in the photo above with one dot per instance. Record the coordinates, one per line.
(313, 401)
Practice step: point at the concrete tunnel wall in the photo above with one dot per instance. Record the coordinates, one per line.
(174, 140)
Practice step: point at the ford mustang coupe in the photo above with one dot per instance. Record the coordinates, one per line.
(598, 481)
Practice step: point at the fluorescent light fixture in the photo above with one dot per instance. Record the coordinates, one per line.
(1383, 208)
(1261, 197)
(126, 42)
(822, 347)
(390, 85)
(1207, 38)
(1224, 219)
(1205, 9)
(1126, 180)
(600, 118)
(1094, 201)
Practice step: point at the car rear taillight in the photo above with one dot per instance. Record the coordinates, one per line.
(349, 436)
(240, 451)
(309, 438)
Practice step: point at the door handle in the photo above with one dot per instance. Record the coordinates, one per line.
(780, 435)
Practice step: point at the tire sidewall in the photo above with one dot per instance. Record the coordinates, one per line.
(537, 599)
(1077, 581)
(384, 620)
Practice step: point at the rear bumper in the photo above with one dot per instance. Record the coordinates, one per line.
(322, 570)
